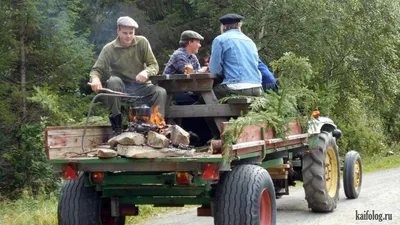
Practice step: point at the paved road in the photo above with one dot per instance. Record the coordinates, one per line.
(380, 193)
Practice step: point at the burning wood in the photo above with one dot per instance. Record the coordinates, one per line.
(147, 126)
(142, 127)
(144, 121)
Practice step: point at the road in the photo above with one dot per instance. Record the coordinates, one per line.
(380, 193)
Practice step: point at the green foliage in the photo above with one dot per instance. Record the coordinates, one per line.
(362, 131)
(295, 102)
(29, 210)
(58, 108)
(7, 54)
(61, 57)
(50, 102)
(27, 164)
(42, 210)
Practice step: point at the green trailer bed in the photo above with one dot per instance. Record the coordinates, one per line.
(64, 147)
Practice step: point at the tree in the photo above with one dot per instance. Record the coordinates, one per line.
(45, 52)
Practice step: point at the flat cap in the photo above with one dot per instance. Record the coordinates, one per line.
(127, 21)
(231, 18)
(189, 34)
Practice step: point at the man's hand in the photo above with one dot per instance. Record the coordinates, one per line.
(96, 84)
(142, 76)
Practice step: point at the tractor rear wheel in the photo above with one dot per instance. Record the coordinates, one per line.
(321, 174)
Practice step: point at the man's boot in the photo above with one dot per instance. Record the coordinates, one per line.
(116, 124)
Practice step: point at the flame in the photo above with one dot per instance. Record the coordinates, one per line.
(131, 117)
(155, 117)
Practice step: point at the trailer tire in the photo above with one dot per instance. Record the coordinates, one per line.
(245, 195)
(352, 175)
(82, 205)
(321, 174)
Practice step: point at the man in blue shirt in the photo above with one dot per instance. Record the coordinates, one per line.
(268, 79)
(234, 56)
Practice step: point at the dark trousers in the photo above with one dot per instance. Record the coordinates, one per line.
(185, 98)
(152, 94)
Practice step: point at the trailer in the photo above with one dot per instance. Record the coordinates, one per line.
(236, 183)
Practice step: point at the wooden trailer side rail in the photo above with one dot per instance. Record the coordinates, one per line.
(261, 138)
(64, 141)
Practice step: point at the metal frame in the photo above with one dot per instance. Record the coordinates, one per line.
(112, 94)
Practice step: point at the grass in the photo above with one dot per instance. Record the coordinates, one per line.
(380, 162)
(42, 210)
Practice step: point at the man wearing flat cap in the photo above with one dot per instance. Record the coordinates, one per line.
(129, 61)
(186, 54)
(183, 57)
(234, 56)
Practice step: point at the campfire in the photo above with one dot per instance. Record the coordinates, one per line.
(143, 121)
(148, 136)
(147, 128)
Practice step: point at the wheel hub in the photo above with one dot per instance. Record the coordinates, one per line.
(331, 172)
(357, 174)
(265, 208)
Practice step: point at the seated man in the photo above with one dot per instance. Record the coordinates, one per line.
(234, 56)
(183, 57)
(130, 61)
(268, 79)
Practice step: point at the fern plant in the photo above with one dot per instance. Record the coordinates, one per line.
(295, 102)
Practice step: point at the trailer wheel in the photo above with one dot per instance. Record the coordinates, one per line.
(245, 195)
(352, 174)
(83, 205)
(321, 174)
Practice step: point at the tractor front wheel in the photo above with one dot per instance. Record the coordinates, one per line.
(352, 175)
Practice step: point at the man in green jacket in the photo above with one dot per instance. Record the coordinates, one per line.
(129, 61)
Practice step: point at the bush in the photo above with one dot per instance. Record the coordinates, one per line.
(27, 166)
(363, 130)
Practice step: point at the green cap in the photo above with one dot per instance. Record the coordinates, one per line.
(189, 34)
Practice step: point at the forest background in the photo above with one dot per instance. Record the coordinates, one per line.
(345, 52)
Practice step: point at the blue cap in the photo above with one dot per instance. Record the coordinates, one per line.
(231, 18)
